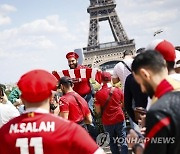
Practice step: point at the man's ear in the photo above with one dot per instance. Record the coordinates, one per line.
(61, 87)
(145, 73)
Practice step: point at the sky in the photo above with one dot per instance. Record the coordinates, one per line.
(37, 34)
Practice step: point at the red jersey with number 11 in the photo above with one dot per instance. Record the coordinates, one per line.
(44, 133)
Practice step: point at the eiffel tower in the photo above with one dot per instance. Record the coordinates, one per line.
(105, 55)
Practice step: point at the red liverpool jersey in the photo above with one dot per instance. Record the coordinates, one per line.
(77, 111)
(44, 133)
(113, 112)
(83, 73)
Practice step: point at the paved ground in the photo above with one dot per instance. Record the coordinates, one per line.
(107, 150)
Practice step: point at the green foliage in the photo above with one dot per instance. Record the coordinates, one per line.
(96, 86)
(7, 92)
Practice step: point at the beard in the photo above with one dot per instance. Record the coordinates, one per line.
(73, 66)
(149, 89)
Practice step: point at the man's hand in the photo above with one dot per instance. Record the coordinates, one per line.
(132, 137)
(75, 80)
(142, 120)
(141, 124)
(18, 102)
(54, 72)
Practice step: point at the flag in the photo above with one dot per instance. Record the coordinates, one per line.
(85, 73)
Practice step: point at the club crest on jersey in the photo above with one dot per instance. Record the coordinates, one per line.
(31, 114)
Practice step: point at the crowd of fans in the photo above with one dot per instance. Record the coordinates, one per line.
(62, 112)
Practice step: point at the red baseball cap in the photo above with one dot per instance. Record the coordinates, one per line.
(72, 55)
(37, 85)
(106, 76)
(166, 49)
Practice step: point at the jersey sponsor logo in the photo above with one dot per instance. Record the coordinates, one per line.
(32, 127)
(31, 114)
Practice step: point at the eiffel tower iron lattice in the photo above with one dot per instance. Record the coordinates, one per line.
(105, 55)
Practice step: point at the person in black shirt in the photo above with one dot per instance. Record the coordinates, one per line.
(133, 97)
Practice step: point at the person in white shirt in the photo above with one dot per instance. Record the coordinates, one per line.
(7, 110)
(123, 68)
(177, 62)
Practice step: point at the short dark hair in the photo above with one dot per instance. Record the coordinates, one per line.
(2, 89)
(170, 65)
(65, 81)
(150, 59)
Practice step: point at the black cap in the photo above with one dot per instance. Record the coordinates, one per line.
(65, 80)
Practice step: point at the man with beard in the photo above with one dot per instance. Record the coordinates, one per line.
(163, 118)
(82, 85)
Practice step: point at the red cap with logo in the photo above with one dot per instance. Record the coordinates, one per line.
(106, 76)
(72, 55)
(37, 85)
(166, 49)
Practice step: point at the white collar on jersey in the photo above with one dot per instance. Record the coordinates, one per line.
(39, 110)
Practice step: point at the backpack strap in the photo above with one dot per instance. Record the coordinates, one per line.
(107, 100)
(126, 66)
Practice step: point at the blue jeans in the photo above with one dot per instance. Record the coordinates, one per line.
(89, 99)
(92, 128)
(117, 131)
